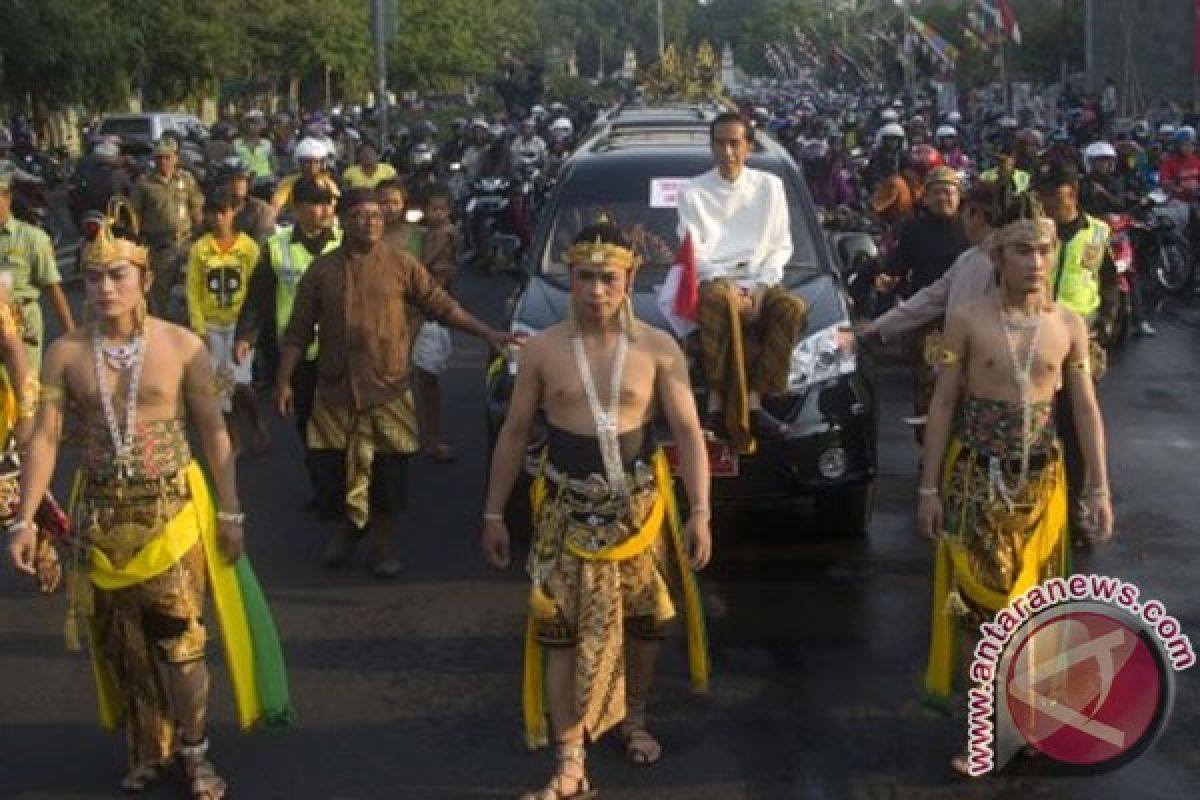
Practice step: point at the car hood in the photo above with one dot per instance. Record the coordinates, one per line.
(544, 302)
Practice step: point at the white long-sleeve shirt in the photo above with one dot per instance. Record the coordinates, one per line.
(740, 230)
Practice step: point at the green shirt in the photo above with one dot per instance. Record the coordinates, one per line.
(27, 265)
(27, 260)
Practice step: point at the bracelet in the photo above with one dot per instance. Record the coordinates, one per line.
(237, 518)
(16, 526)
(1096, 491)
(493, 517)
(927, 492)
(698, 510)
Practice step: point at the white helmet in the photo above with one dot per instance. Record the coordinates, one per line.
(1166, 129)
(945, 130)
(311, 148)
(562, 125)
(1097, 150)
(891, 129)
(889, 115)
(954, 118)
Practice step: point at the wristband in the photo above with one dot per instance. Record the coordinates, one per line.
(490, 517)
(237, 518)
(698, 510)
(927, 492)
(17, 526)
(1097, 491)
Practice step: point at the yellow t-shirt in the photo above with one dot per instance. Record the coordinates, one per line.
(356, 178)
(217, 281)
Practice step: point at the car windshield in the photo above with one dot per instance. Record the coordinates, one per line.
(640, 205)
(126, 126)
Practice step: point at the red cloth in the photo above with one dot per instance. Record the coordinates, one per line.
(1181, 174)
(687, 296)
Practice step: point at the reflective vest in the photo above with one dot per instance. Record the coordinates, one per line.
(1076, 279)
(1020, 178)
(290, 260)
(256, 159)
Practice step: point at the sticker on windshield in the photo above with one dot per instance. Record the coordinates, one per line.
(664, 192)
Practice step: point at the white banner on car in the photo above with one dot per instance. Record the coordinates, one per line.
(664, 192)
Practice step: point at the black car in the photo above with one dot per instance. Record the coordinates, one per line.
(626, 175)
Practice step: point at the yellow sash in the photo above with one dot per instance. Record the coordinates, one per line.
(196, 520)
(952, 571)
(664, 509)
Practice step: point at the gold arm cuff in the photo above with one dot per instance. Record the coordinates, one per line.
(948, 357)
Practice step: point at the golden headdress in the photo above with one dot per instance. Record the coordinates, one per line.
(1034, 227)
(603, 254)
(107, 247)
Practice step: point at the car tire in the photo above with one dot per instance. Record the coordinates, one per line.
(845, 513)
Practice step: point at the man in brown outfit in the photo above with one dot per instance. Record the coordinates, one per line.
(363, 425)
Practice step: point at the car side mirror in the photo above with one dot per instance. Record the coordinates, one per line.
(853, 250)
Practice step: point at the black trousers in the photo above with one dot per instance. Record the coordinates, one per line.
(1072, 456)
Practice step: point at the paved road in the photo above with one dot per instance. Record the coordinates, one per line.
(410, 690)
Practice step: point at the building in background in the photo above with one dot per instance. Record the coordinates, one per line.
(1150, 48)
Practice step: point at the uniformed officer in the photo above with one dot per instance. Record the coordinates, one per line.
(169, 205)
(28, 267)
(1084, 280)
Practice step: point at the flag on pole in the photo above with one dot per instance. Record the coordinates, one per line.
(679, 297)
(998, 16)
(934, 43)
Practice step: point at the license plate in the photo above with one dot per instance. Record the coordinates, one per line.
(722, 461)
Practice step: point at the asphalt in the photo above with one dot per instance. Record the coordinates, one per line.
(411, 689)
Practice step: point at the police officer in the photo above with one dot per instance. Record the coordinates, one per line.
(27, 268)
(272, 291)
(255, 150)
(1083, 280)
(170, 206)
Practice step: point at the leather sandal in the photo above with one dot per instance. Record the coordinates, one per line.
(567, 784)
(203, 781)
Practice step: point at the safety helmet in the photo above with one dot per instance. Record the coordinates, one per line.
(1141, 129)
(562, 125)
(891, 129)
(422, 155)
(538, 111)
(1185, 135)
(889, 115)
(1097, 150)
(814, 150)
(945, 131)
(1007, 123)
(954, 118)
(1166, 130)
(497, 131)
(232, 167)
(479, 122)
(924, 157)
(310, 148)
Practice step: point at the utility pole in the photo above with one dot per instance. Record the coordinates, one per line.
(379, 31)
(662, 38)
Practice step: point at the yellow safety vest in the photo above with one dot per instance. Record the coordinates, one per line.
(1020, 178)
(1076, 280)
(290, 260)
(257, 159)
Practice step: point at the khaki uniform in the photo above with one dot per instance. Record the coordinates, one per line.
(27, 265)
(168, 210)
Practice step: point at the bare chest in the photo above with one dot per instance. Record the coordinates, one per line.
(999, 360)
(158, 384)
(566, 393)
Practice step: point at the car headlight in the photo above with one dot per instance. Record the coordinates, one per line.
(823, 356)
(518, 329)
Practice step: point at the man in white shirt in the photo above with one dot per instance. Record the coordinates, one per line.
(737, 218)
(529, 144)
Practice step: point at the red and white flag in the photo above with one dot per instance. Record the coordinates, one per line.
(1008, 20)
(679, 297)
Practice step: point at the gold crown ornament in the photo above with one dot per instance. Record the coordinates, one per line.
(602, 254)
(107, 248)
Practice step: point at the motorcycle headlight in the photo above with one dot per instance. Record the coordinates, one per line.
(823, 356)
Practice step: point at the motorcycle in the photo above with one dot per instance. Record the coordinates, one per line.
(1113, 333)
(1159, 245)
(490, 220)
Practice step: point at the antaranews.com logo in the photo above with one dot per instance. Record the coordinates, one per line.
(1077, 668)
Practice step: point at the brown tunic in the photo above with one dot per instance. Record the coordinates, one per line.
(360, 303)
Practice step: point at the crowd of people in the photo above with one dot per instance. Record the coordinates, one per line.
(997, 254)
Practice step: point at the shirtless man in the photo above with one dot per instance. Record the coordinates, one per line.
(144, 517)
(993, 494)
(595, 562)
